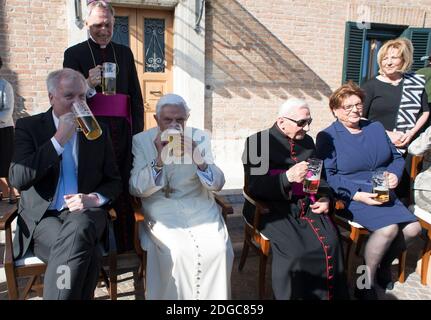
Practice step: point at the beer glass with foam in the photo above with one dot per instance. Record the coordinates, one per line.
(86, 120)
(312, 179)
(380, 186)
(173, 135)
(109, 72)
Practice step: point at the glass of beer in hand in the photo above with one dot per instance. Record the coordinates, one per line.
(173, 136)
(109, 73)
(381, 186)
(312, 178)
(86, 120)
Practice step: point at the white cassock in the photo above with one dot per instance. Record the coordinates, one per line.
(189, 253)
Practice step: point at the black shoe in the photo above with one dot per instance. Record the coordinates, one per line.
(366, 294)
(384, 278)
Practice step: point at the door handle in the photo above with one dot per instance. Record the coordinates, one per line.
(156, 93)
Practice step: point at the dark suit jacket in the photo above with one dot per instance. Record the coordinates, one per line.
(35, 170)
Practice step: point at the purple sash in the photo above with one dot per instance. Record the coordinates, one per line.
(117, 105)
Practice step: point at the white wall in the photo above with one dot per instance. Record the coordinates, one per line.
(74, 34)
(189, 60)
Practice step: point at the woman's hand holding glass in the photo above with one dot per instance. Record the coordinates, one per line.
(392, 180)
(367, 198)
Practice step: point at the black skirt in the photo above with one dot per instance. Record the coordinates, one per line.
(6, 149)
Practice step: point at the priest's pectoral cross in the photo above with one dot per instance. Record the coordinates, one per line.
(167, 190)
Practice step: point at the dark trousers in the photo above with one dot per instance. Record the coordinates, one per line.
(69, 244)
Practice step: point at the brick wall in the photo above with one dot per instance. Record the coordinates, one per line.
(33, 36)
(259, 53)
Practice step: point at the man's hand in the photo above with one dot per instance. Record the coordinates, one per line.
(297, 172)
(320, 206)
(159, 144)
(367, 198)
(66, 128)
(80, 201)
(94, 76)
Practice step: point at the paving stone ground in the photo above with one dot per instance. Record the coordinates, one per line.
(244, 283)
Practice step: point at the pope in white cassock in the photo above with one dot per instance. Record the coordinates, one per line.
(189, 253)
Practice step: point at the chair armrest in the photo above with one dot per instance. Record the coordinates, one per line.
(139, 216)
(112, 214)
(261, 208)
(416, 167)
(7, 217)
(6, 224)
(260, 205)
(226, 207)
(339, 205)
(137, 209)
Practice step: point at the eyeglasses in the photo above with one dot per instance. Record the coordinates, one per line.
(350, 107)
(301, 123)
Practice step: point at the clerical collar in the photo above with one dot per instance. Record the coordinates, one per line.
(94, 41)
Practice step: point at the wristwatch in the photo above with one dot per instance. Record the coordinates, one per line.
(155, 166)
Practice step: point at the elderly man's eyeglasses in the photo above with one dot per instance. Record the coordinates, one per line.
(350, 107)
(301, 123)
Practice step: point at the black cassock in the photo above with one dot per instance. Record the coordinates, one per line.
(307, 260)
(80, 58)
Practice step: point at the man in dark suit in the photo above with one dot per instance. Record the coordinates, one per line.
(65, 182)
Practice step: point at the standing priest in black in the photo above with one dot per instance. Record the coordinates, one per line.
(307, 255)
(65, 182)
(87, 57)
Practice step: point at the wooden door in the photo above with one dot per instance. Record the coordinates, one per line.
(151, 41)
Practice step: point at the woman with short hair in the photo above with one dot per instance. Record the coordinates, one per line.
(352, 150)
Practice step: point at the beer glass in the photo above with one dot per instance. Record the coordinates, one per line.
(109, 72)
(312, 178)
(381, 186)
(173, 136)
(86, 120)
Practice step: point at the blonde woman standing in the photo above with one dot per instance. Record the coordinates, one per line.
(397, 99)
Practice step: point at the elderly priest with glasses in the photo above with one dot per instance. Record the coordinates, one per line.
(307, 254)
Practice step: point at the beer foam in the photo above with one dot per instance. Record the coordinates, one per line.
(381, 188)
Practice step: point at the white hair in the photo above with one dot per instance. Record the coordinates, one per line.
(100, 4)
(54, 78)
(291, 105)
(171, 99)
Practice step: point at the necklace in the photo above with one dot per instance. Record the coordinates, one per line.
(113, 50)
(386, 79)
